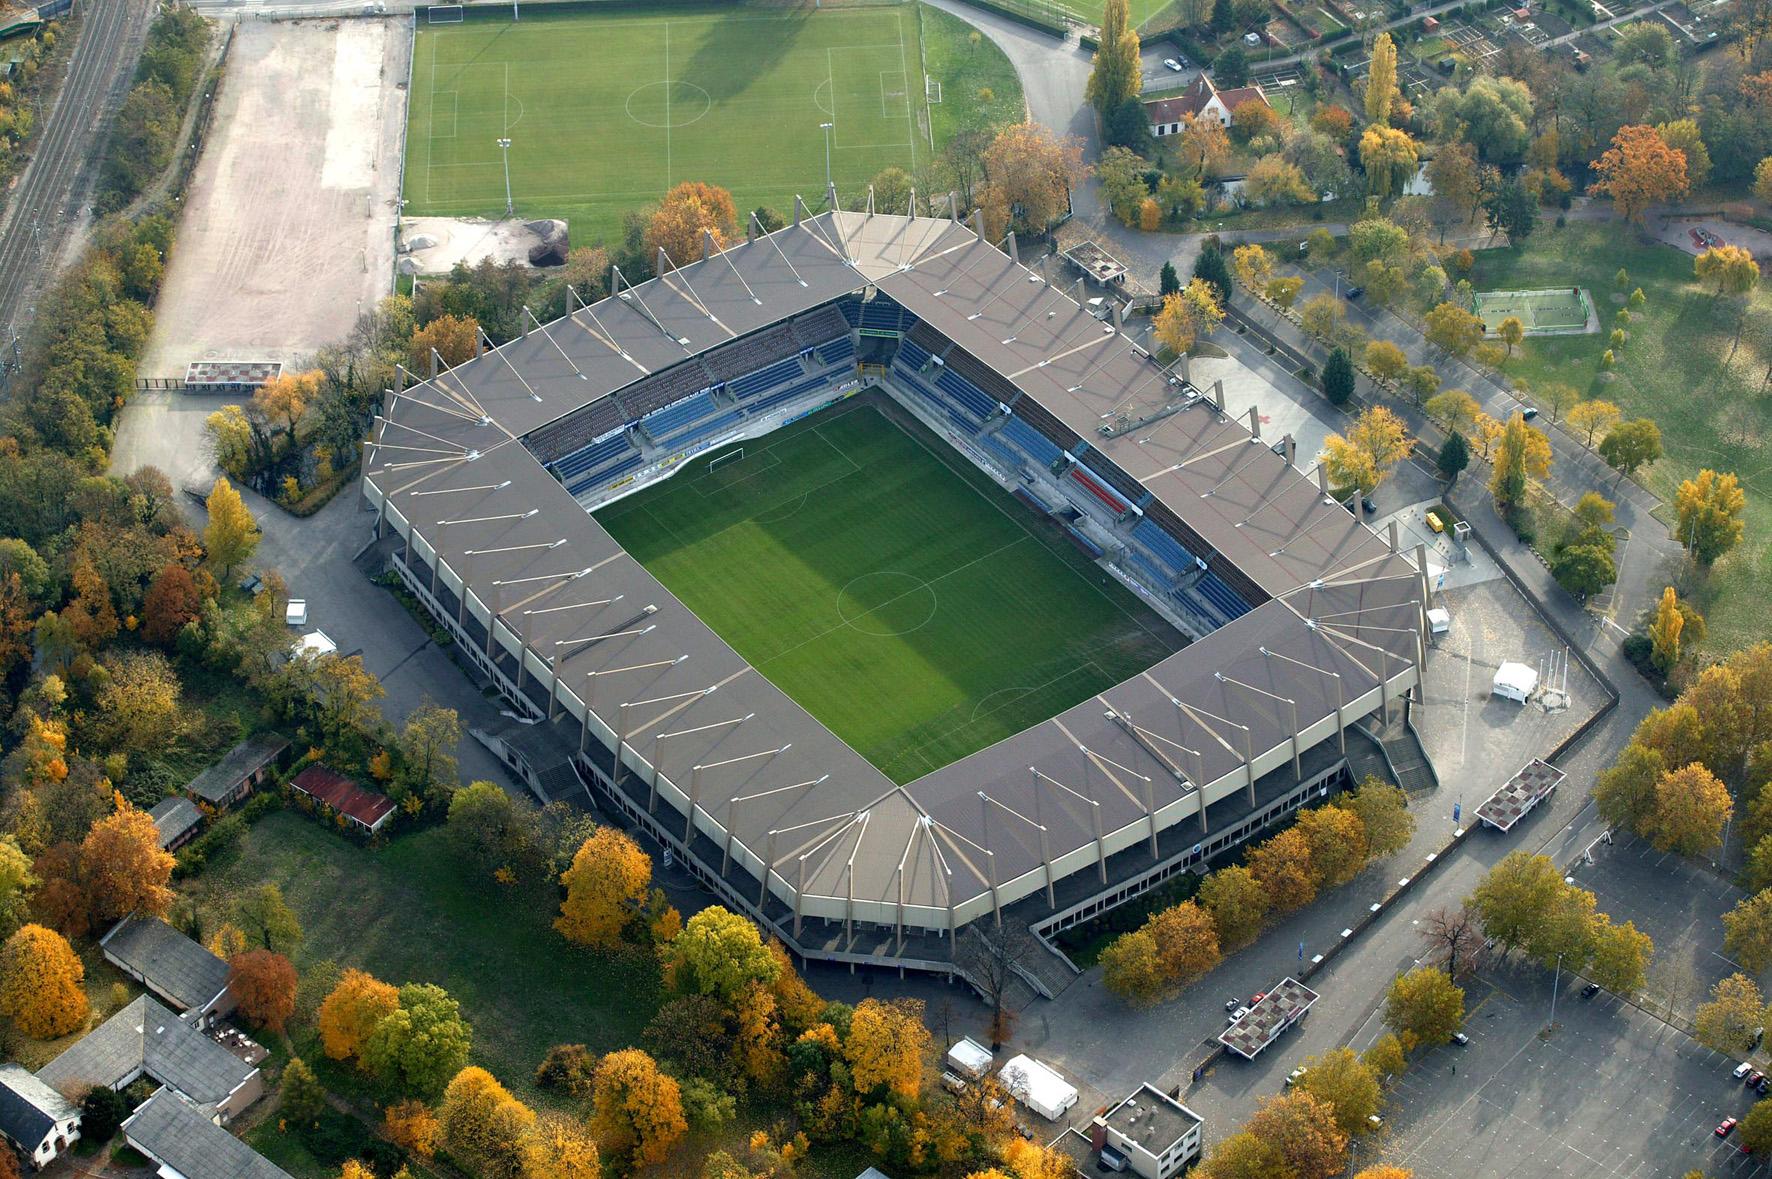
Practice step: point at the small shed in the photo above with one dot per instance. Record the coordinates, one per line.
(1038, 1087)
(1515, 681)
(969, 1058)
(177, 820)
(364, 809)
(242, 768)
(1430, 24)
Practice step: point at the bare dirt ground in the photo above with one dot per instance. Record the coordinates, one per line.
(287, 232)
(288, 229)
(464, 239)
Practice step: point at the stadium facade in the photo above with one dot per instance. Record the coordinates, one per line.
(1303, 621)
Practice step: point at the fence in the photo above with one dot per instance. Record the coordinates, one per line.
(53, 8)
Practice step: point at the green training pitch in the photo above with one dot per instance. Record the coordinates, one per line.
(605, 112)
(897, 594)
(1560, 311)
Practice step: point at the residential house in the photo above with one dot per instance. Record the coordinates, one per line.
(178, 820)
(39, 1122)
(187, 1145)
(185, 975)
(240, 771)
(1202, 99)
(364, 809)
(146, 1039)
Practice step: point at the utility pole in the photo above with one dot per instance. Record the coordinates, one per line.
(504, 144)
(1555, 982)
(826, 128)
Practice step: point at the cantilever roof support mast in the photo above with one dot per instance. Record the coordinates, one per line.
(1247, 756)
(1101, 763)
(1290, 703)
(1094, 815)
(695, 783)
(591, 690)
(660, 737)
(731, 818)
(1340, 692)
(985, 803)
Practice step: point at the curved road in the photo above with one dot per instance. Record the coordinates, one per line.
(44, 206)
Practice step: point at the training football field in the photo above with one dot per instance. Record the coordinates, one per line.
(606, 111)
(1560, 311)
(899, 596)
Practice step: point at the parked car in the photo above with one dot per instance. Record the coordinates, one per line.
(1171, 63)
(1727, 1126)
(1763, 1084)
(1355, 292)
(1366, 504)
(1232, 1004)
(1741, 1070)
(1295, 1076)
(1239, 1013)
(1528, 412)
(1590, 990)
(1460, 1039)
(1754, 1078)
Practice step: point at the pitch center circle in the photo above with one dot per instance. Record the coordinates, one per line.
(668, 104)
(886, 603)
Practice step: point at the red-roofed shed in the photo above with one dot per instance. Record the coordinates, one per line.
(365, 808)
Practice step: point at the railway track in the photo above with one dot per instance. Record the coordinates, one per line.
(44, 206)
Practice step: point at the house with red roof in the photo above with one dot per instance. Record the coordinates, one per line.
(1167, 116)
(365, 809)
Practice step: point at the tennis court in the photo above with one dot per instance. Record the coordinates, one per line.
(604, 112)
(1563, 311)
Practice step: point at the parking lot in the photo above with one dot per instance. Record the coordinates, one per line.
(1612, 1093)
(1676, 902)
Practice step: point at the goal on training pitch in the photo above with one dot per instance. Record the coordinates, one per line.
(444, 14)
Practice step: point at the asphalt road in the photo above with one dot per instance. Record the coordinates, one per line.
(44, 206)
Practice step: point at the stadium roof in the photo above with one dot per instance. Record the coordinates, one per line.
(1336, 627)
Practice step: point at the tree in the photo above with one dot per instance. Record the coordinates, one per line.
(1422, 381)
(482, 1125)
(719, 953)
(231, 536)
(1284, 291)
(262, 984)
(172, 600)
(1116, 75)
(302, 1099)
(1454, 456)
(639, 1110)
(123, 868)
(1709, 514)
(1381, 81)
(1168, 282)
(1383, 811)
(1424, 1006)
(1237, 902)
(892, 190)
(1390, 157)
(567, 1069)
(1456, 182)
(419, 1045)
(349, 1013)
(1386, 361)
(1524, 452)
(1747, 930)
(1511, 331)
(102, 1110)
(427, 747)
(1557, 397)
(1453, 932)
(1322, 316)
(1728, 270)
(1210, 267)
(1729, 1022)
(1338, 376)
(1283, 866)
(1452, 329)
(1620, 957)
(1243, 1155)
(1187, 941)
(1683, 136)
(1515, 897)
(559, 1147)
(455, 339)
(40, 977)
(687, 213)
(1254, 266)
(1373, 446)
(344, 693)
(1203, 144)
(1631, 446)
(265, 914)
(1454, 409)
(17, 880)
(1386, 1056)
(1186, 317)
(605, 888)
(1347, 1085)
(1691, 806)
(412, 1126)
(887, 1045)
(1640, 170)
(1664, 632)
(1029, 175)
(1756, 1130)
(1763, 181)
(138, 703)
(1303, 1130)
(1254, 119)
(1230, 68)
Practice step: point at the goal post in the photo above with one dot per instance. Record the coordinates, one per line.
(444, 14)
(730, 456)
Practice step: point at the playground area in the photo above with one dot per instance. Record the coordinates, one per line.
(1561, 311)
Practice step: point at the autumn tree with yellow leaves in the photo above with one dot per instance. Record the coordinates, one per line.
(887, 1046)
(40, 977)
(351, 1010)
(605, 887)
(638, 1109)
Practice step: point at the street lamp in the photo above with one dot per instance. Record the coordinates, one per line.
(826, 128)
(504, 144)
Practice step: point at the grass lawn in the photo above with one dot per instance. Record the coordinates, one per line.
(408, 912)
(965, 68)
(606, 112)
(919, 612)
(1673, 370)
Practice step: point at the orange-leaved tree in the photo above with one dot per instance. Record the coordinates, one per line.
(639, 1109)
(262, 983)
(350, 1012)
(40, 978)
(124, 868)
(455, 337)
(887, 1043)
(1640, 170)
(605, 887)
(687, 211)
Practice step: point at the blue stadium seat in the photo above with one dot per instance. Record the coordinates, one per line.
(660, 424)
(912, 355)
(601, 478)
(764, 379)
(1162, 546)
(1221, 597)
(837, 351)
(590, 457)
(965, 393)
(1032, 443)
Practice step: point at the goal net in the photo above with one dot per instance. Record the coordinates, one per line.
(444, 14)
(931, 90)
(714, 464)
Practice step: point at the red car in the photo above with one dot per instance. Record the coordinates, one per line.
(1726, 1126)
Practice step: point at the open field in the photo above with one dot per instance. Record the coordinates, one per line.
(605, 112)
(1676, 369)
(965, 69)
(920, 614)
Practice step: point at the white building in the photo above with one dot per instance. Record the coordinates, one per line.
(36, 1119)
(1153, 1133)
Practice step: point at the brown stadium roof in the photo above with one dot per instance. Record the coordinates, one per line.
(1336, 629)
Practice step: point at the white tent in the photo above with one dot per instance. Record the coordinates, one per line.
(968, 1058)
(313, 644)
(1515, 681)
(1038, 1087)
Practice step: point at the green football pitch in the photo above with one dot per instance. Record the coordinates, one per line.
(605, 112)
(897, 594)
(1559, 311)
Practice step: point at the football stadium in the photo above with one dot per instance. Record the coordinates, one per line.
(897, 593)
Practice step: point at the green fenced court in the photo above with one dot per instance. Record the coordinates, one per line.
(1562, 311)
(605, 111)
(898, 595)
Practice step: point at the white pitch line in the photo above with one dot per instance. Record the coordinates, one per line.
(667, 86)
